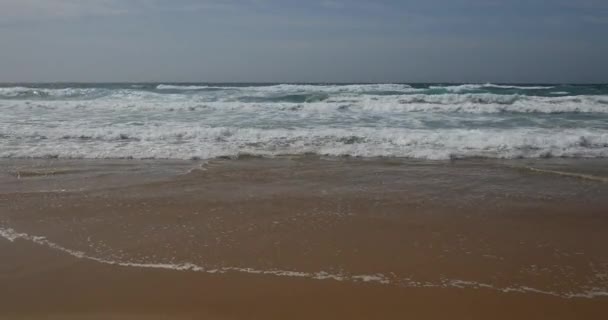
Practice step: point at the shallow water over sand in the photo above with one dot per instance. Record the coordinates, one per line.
(528, 226)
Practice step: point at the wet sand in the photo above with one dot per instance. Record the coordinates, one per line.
(48, 285)
(303, 238)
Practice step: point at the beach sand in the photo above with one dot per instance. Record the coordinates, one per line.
(303, 238)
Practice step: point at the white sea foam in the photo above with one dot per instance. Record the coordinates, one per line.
(170, 142)
(490, 85)
(283, 88)
(380, 279)
(353, 88)
(12, 92)
(472, 87)
(127, 101)
(179, 87)
(389, 120)
(485, 103)
(566, 174)
(12, 236)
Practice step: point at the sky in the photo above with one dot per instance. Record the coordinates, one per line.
(501, 41)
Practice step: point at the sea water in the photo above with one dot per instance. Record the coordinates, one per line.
(203, 121)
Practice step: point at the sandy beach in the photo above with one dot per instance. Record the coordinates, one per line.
(303, 160)
(303, 238)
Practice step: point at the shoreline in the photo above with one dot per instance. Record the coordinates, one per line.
(68, 288)
(375, 279)
(302, 238)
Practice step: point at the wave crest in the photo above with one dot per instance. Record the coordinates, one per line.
(205, 143)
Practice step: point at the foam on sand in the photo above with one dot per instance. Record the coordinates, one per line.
(380, 279)
(568, 174)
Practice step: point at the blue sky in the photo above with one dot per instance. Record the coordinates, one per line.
(304, 41)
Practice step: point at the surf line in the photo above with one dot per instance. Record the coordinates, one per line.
(12, 235)
(566, 174)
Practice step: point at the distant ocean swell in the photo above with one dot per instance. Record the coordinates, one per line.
(175, 121)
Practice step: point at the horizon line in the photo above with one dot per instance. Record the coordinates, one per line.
(2, 83)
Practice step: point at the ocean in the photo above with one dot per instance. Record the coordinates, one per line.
(206, 121)
(358, 201)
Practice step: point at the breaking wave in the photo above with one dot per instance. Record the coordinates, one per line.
(472, 87)
(175, 87)
(183, 121)
(324, 102)
(25, 92)
(178, 143)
